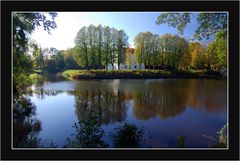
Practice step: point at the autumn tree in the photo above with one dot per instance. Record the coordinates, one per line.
(197, 55)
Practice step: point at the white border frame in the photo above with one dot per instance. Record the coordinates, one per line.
(12, 148)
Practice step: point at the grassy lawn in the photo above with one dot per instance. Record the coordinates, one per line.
(139, 74)
(33, 76)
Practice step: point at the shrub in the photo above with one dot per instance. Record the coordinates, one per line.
(115, 74)
(127, 136)
(88, 133)
(181, 141)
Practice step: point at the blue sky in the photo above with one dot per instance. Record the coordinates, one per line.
(69, 23)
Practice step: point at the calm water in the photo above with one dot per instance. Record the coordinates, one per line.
(163, 108)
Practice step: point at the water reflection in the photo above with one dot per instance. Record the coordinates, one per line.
(165, 98)
(183, 104)
(25, 125)
(109, 106)
(41, 93)
(163, 104)
(50, 77)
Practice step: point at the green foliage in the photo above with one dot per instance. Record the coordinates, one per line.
(34, 76)
(72, 59)
(51, 66)
(181, 141)
(127, 136)
(140, 74)
(21, 69)
(37, 56)
(197, 54)
(88, 133)
(174, 52)
(25, 125)
(100, 45)
(154, 51)
(56, 62)
(122, 44)
(217, 52)
(209, 23)
(23, 25)
(175, 19)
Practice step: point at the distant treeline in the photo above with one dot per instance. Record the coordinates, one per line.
(96, 47)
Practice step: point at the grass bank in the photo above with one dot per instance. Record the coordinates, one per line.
(139, 74)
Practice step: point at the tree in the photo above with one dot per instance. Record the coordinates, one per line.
(217, 52)
(129, 56)
(100, 45)
(58, 58)
(71, 58)
(143, 47)
(172, 49)
(196, 52)
(175, 19)
(51, 66)
(23, 25)
(156, 51)
(82, 44)
(127, 135)
(113, 47)
(209, 23)
(91, 38)
(106, 44)
(36, 51)
(88, 133)
(139, 47)
(122, 43)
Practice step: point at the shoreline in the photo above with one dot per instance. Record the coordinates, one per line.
(140, 74)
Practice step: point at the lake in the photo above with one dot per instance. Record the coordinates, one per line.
(164, 108)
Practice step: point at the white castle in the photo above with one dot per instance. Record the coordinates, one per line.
(130, 65)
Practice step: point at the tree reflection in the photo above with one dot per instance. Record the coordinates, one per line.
(169, 98)
(25, 125)
(150, 104)
(109, 106)
(50, 77)
(165, 98)
(41, 93)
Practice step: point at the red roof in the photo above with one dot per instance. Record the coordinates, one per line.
(130, 50)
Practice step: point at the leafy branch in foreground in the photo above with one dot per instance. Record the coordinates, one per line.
(208, 23)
